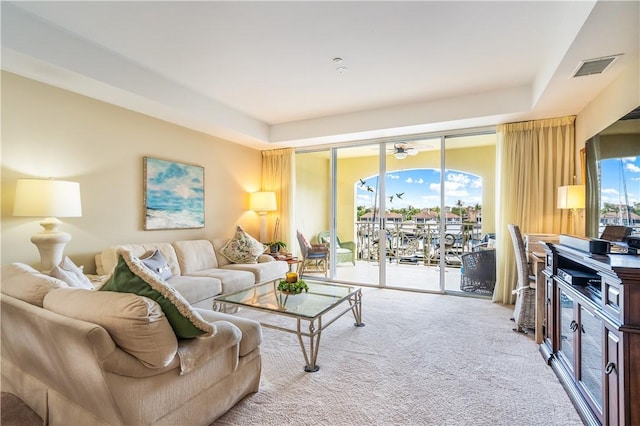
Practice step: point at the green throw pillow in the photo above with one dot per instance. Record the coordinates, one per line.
(132, 276)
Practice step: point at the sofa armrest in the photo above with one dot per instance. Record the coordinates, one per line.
(195, 352)
(251, 330)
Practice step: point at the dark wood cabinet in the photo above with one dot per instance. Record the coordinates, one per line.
(591, 334)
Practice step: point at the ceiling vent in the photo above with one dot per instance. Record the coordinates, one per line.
(594, 66)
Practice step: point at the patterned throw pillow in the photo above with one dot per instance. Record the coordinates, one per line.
(242, 248)
(132, 276)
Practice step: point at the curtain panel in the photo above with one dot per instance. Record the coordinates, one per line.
(278, 175)
(534, 158)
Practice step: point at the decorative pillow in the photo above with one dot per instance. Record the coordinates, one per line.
(132, 276)
(242, 248)
(136, 324)
(68, 272)
(155, 261)
(25, 283)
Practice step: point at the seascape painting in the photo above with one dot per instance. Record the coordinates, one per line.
(174, 195)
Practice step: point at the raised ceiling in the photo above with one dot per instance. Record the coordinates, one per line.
(263, 73)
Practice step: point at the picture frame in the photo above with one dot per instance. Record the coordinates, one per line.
(173, 195)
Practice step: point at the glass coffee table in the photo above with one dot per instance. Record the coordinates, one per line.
(313, 311)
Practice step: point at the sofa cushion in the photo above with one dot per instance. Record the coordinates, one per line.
(131, 276)
(242, 248)
(196, 289)
(25, 283)
(231, 280)
(195, 255)
(264, 271)
(68, 272)
(136, 324)
(110, 256)
(155, 261)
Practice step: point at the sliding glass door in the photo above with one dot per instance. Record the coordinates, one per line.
(398, 213)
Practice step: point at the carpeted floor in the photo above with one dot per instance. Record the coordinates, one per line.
(420, 360)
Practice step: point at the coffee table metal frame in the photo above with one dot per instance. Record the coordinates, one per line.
(328, 298)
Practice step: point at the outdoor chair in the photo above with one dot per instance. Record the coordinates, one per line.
(313, 256)
(478, 272)
(524, 313)
(345, 250)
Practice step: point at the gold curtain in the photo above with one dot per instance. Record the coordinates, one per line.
(278, 175)
(534, 159)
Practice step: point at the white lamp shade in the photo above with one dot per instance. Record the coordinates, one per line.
(571, 197)
(47, 197)
(262, 201)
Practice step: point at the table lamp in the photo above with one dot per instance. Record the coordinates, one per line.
(571, 197)
(261, 203)
(48, 198)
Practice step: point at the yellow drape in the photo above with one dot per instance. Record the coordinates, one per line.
(278, 175)
(534, 159)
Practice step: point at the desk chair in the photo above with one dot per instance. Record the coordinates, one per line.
(524, 313)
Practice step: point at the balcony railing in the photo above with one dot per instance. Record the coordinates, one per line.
(411, 242)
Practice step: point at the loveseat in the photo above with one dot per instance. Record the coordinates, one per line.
(199, 270)
(93, 357)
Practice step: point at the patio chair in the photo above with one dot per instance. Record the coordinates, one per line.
(345, 250)
(478, 272)
(314, 256)
(524, 313)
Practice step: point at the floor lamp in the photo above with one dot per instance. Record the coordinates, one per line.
(262, 203)
(571, 197)
(48, 198)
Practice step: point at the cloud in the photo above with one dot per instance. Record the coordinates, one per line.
(390, 176)
(609, 191)
(632, 167)
(411, 180)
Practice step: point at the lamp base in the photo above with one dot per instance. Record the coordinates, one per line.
(50, 243)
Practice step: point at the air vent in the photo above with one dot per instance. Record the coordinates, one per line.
(594, 66)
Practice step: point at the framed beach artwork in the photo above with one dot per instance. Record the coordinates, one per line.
(173, 195)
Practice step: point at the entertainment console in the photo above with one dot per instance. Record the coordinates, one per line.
(591, 335)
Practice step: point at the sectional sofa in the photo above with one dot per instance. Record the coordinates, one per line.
(93, 357)
(198, 270)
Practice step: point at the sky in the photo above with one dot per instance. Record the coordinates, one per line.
(421, 189)
(612, 188)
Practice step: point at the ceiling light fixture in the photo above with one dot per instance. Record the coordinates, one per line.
(341, 70)
(400, 155)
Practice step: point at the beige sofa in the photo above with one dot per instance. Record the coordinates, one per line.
(198, 270)
(87, 357)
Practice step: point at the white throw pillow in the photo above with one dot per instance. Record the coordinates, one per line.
(71, 274)
(242, 248)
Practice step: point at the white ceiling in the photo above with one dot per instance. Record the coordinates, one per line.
(262, 73)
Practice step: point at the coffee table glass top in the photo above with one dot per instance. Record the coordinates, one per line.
(320, 298)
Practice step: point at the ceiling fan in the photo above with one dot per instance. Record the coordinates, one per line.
(401, 150)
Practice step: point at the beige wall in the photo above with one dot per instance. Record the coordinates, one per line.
(619, 98)
(49, 132)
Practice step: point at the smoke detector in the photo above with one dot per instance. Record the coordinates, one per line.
(594, 66)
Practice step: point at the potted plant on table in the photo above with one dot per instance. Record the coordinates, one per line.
(276, 246)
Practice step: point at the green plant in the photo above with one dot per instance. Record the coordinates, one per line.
(276, 246)
(295, 288)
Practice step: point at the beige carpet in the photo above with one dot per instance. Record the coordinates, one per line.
(420, 360)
